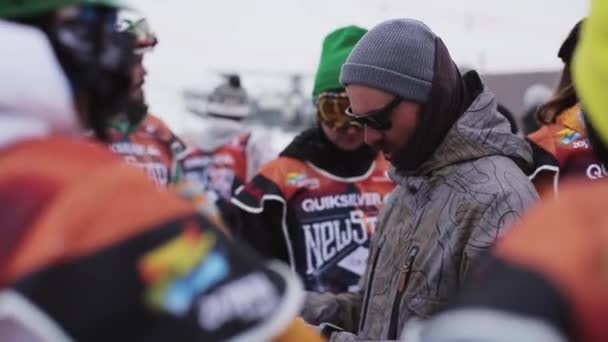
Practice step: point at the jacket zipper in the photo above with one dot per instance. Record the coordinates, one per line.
(368, 288)
(404, 277)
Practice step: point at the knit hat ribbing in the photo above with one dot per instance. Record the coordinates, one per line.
(396, 56)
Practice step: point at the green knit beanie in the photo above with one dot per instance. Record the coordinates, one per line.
(336, 48)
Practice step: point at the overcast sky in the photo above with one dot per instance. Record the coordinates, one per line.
(265, 37)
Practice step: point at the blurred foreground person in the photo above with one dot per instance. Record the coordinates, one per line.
(561, 146)
(316, 206)
(142, 139)
(89, 249)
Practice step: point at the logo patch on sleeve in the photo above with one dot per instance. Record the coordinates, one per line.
(568, 136)
(182, 268)
(301, 179)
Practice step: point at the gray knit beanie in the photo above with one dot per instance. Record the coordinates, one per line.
(229, 100)
(396, 56)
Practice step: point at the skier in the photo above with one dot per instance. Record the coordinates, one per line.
(142, 139)
(227, 153)
(316, 206)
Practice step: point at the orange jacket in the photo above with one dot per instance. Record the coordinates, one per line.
(92, 246)
(151, 146)
(60, 188)
(320, 223)
(566, 240)
(562, 151)
(222, 170)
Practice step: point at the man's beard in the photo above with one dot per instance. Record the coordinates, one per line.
(136, 111)
(401, 158)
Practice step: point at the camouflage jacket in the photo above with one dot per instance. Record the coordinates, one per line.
(435, 225)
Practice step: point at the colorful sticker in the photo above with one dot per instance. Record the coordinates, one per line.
(300, 179)
(568, 136)
(182, 268)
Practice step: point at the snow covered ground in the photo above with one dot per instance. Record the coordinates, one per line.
(267, 39)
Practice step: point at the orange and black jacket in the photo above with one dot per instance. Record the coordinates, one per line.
(91, 251)
(150, 146)
(222, 170)
(562, 151)
(316, 208)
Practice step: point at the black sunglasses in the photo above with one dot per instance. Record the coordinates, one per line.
(379, 119)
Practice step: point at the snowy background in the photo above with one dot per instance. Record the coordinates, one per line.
(267, 40)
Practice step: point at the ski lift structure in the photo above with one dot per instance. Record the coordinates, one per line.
(281, 102)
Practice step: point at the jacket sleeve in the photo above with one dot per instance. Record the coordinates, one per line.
(590, 67)
(506, 209)
(263, 217)
(532, 310)
(264, 231)
(510, 302)
(342, 309)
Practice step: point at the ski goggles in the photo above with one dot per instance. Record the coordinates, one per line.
(379, 119)
(332, 107)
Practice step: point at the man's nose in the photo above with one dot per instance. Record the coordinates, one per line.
(352, 130)
(372, 137)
